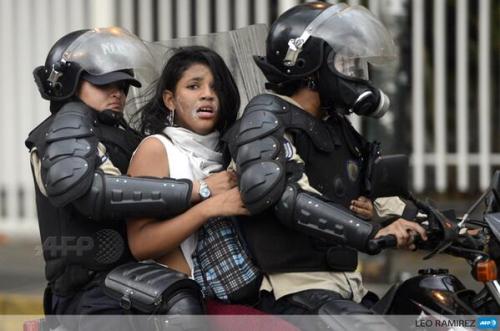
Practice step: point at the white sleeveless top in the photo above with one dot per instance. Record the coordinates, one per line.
(180, 167)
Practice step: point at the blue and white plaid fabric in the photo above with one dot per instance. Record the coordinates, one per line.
(221, 263)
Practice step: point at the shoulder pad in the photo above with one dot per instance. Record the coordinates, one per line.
(70, 156)
(265, 115)
(281, 115)
(75, 119)
(258, 124)
(72, 147)
(268, 102)
(71, 135)
(38, 133)
(314, 128)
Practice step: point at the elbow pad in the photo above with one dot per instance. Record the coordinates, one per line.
(319, 218)
(257, 145)
(257, 148)
(121, 197)
(261, 161)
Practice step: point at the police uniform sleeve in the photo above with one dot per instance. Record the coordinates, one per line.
(271, 177)
(388, 209)
(70, 174)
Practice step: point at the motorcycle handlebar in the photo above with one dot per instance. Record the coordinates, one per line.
(376, 245)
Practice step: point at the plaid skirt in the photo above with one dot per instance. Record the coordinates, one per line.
(222, 265)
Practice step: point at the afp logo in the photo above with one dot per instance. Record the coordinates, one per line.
(487, 323)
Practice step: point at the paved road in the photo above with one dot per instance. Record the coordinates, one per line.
(21, 268)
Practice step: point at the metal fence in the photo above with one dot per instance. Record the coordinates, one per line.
(450, 138)
(476, 122)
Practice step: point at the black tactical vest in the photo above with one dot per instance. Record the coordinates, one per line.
(338, 175)
(75, 248)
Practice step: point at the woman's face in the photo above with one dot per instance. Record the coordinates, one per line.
(194, 101)
(111, 96)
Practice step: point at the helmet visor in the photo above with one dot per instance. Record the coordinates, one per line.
(104, 50)
(357, 38)
(350, 67)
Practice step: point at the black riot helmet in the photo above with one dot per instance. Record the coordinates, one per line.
(101, 56)
(57, 80)
(289, 26)
(333, 46)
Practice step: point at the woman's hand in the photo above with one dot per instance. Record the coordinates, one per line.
(362, 207)
(221, 182)
(227, 203)
(217, 183)
(404, 231)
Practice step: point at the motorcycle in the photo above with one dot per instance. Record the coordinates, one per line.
(436, 291)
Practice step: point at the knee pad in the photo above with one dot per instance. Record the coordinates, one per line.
(330, 305)
(184, 301)
(325, 302)
(342, 306)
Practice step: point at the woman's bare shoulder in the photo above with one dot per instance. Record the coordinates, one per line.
(150, 159)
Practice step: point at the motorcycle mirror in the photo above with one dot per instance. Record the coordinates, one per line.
(494, 200)
(493, 220)
(390, 177)
(495, 181)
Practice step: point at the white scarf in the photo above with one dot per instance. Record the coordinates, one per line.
(202, 151)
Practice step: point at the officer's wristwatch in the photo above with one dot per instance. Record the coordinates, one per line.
(204, 190)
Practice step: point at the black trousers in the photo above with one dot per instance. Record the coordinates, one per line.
(310, 302)
(85, 306)
(88, 301)
(89, 310)
(327, 304)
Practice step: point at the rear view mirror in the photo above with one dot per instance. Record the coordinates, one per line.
(493, 202)
(495, 183)
(390, 176)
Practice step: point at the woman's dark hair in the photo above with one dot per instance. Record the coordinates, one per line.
(153, 117)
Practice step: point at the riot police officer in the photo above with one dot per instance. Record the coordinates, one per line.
(78, 155)
(302, 166)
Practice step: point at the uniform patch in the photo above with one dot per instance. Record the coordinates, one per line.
(288, 150)
(352, 170)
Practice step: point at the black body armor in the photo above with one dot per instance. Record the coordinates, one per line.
(82, 210)
(291, 229)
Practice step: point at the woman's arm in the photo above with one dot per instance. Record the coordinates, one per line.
(150, 238)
